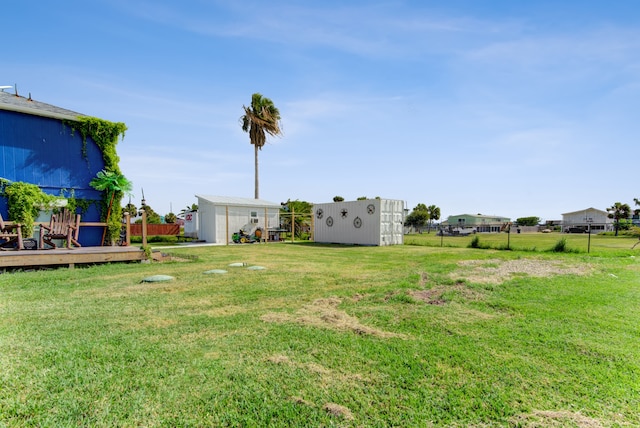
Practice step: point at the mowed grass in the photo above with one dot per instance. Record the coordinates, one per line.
(407, 335)
(578, 242)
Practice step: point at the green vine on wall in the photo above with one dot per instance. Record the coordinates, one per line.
(74, 204)
(106, 135)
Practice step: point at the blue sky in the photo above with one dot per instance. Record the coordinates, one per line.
(496, 107)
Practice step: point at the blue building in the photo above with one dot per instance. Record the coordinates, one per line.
(38, 147)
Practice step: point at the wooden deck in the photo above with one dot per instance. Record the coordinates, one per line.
(69, 257)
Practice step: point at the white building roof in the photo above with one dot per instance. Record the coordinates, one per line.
(587, 209)
(235, 201)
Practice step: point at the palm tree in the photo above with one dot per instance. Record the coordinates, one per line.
(261, 118)
(114, 184)
(434, 214)
(184, 211)
(619, 211)
(131, 209)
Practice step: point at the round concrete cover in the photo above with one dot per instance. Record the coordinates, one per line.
(215, 271)
(256, 268)
(158, 278)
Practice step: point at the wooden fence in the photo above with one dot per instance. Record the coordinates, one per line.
(156, 229)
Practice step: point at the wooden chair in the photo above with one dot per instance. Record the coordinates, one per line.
(64, 225)
(11, 234)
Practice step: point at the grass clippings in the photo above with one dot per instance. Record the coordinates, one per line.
(327, 374)
(549, 418)
(496, 271)
(169, 257)
(324, 313)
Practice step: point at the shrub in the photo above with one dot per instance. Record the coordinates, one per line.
(25, 200)
(475, 243)
(562, 247)
(168, 239)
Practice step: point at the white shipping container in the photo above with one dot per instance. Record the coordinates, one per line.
(366, 222)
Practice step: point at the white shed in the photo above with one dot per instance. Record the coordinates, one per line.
(220, 217)
(364, 222)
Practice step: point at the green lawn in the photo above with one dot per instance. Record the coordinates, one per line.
(581, 242)
(414, 335)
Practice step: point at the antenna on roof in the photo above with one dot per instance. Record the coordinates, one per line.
(15, 86)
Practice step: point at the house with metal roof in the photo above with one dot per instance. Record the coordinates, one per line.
(476, 223)
(37, 147)
(585, 220)
(219, 217)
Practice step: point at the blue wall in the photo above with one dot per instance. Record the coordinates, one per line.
(46, 152)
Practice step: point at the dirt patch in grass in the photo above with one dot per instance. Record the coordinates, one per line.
(432, 296)
(337, 410)
(302, 401)
(549, 418)
(435, 295)
(325, 313)
(496, 271)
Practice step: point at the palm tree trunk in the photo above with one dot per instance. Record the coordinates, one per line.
(104, 232)
(257, 193)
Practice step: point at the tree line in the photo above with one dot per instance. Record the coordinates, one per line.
(421, 216)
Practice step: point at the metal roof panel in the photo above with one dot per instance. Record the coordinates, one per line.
(21, 104)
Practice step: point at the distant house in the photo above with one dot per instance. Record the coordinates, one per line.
(38, 148)
(219, 217)
(589, 218)
(476, 222)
